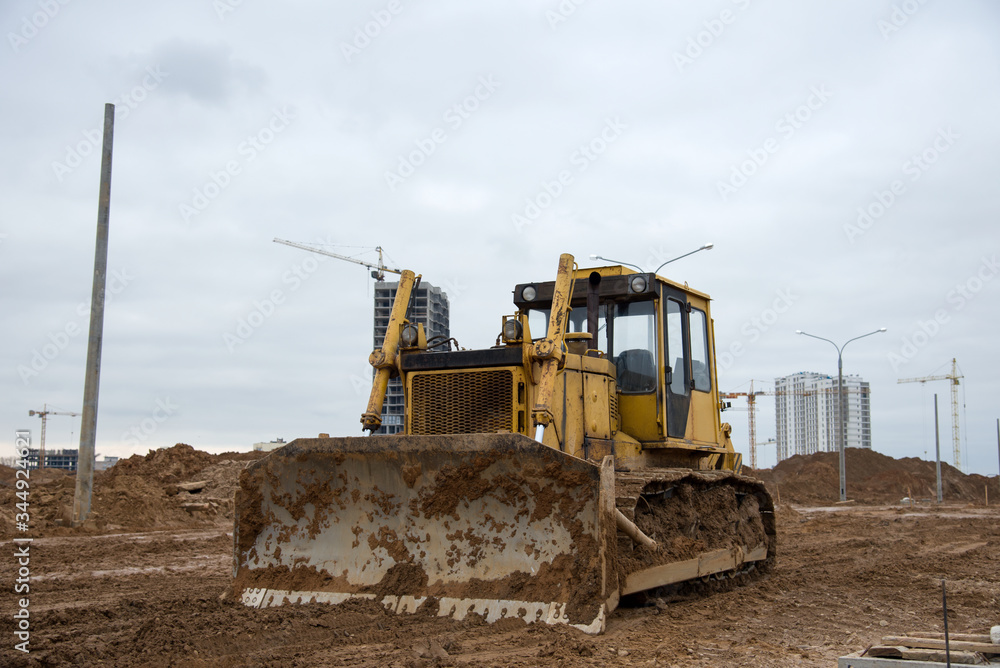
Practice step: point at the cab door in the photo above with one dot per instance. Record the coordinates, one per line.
(676, 360)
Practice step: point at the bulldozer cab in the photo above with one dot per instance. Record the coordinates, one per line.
(658, 337)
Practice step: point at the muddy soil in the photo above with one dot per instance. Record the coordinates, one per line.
(845, 576)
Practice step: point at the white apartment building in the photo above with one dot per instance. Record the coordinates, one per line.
(808, 415)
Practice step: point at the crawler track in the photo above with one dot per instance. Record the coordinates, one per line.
(693, 515)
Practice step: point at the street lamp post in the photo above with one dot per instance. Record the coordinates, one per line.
(707, 246)
(840, 402)
(607, 259)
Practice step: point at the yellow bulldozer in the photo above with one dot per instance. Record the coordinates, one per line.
(579, 463)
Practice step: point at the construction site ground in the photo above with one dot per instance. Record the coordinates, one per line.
(141, 584)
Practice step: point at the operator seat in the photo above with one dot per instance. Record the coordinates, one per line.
(636, 370)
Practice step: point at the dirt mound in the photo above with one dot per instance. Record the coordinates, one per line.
(7, 475)
(176, 464)
(138, 493)
(872, 478)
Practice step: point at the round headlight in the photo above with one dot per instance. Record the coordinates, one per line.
(512, 330)
(529, 293)
(409, 336)
(638, 284)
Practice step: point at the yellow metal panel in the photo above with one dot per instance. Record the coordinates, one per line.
(597, 406)
(567, 411)
(704, 418)
(639, 416)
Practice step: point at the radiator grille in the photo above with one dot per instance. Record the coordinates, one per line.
(465, 402)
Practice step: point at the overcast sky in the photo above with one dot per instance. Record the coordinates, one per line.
(842, 157)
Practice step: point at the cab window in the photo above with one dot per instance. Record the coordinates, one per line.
(675, 348)
(538, 324)
(635, 347)
(699, 351)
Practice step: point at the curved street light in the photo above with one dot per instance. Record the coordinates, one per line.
(708, 246)
(607, 259)
(840, 401)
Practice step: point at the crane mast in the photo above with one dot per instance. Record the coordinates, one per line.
(954, 376)
(751, 418)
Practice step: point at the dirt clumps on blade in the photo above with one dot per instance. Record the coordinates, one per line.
(872, 478)
(400, 580)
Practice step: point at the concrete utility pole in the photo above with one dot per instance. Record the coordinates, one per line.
(937, 451)
(92, 378)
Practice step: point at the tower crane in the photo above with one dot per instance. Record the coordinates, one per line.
(953, 377)
(44, 414)
(752, 418)
(379, 269)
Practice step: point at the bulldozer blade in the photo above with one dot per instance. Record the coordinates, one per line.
(489, 524)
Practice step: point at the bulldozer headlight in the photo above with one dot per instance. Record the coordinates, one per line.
(529, 293)
(512, 330)
(638, 284)
(409, 336)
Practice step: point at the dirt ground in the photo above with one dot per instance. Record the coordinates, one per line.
(118, 595)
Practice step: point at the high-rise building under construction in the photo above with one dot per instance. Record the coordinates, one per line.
(429, 308)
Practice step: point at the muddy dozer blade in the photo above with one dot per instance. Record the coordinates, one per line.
(490, 524)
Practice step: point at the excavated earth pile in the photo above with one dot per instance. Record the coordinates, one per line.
(136, 494)
(872, 478)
